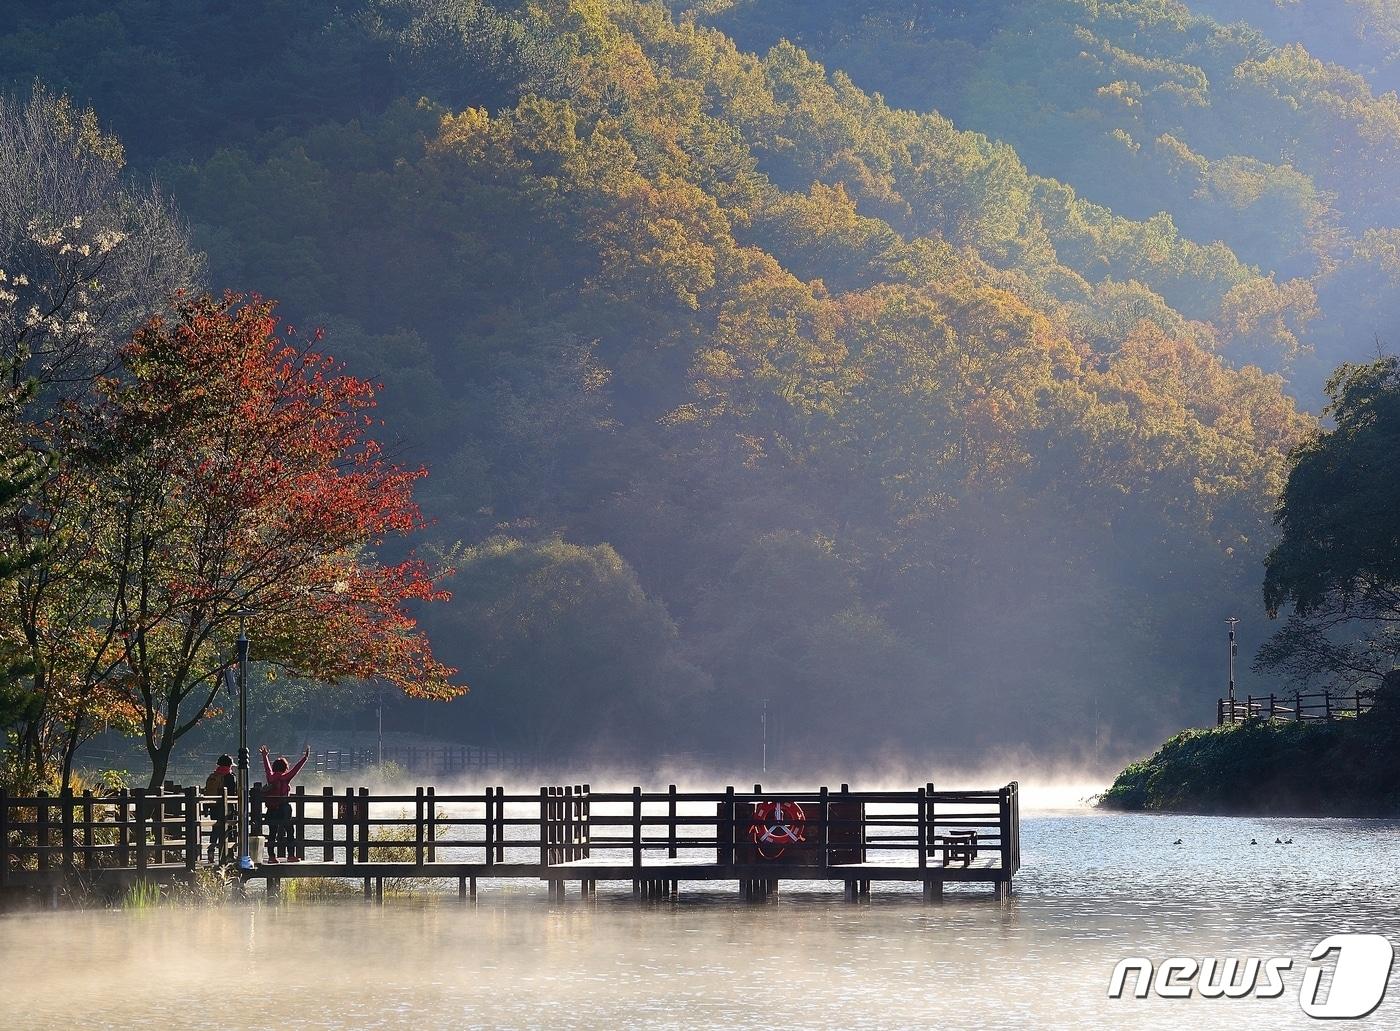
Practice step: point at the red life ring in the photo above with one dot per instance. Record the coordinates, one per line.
(777, 826)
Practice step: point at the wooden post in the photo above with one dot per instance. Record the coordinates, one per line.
(637, 828)
(350, 831)
(587, 851)
(363, 835)
(566, 835)
(1004, 808)
(1297, 707)
(41, 819)
(255, 820)
(191, 828)
(4, 838)
(123, 828)
(65, 818)
(500, 824)
(432, 824)
(923, 828)
(1327, 703)
(544, 843)
(576, 842)
(488, 797)
(726, 831)
(327, 827)
(825, 810)
(158, 816)
(140, 812)
(556, 824)
(299, 823)
(419, 827)
(671, 812)
(88, 853)
(931, 819)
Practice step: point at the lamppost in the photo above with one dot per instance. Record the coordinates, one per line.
(1234, 650)
(765, 735)
(245, 858)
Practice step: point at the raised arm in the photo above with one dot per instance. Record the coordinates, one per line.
(267, 763)
(296, 767)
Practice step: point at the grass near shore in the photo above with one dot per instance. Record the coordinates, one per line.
(1346, 767)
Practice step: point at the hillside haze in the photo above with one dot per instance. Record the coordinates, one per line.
(924, 370)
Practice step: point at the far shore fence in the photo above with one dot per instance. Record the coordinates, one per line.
(432, 760)
(429, 760)
(1298, 707)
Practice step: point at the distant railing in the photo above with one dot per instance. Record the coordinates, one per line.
(1296, 708)
(434, 760)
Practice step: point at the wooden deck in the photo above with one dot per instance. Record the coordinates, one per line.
(560, 835)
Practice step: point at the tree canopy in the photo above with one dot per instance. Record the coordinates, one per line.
(1336, 567)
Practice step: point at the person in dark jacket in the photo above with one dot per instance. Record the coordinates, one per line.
(279, 810)
(223, 815)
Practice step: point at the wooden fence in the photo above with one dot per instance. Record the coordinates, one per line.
(1295, 708)
(432, 760)
(563, 833)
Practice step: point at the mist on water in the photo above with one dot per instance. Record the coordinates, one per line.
(1095, 889)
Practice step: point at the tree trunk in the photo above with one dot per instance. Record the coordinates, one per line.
(160, 762)
(70, 749)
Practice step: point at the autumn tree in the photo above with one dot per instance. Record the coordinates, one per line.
(84, 255)
(239, 481)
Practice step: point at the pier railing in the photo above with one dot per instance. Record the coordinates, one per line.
(560, 833)
(1295, 708)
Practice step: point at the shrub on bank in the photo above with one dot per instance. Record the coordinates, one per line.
(1345, 767)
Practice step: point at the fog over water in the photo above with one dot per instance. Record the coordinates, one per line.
(1095, 888)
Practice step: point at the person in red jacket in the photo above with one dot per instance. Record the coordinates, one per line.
(279, 810)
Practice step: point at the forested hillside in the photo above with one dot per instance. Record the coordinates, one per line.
(930, 375)
(1160, 112)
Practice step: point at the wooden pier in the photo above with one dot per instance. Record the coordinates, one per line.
(563, 835)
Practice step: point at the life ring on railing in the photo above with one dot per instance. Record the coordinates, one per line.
(776, 827)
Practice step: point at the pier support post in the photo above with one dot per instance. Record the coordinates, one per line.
(379, 890)
(933, 891)
(1002, 889)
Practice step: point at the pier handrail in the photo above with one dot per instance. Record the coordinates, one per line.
(494, 832)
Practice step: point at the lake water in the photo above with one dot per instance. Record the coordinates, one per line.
(1095, 888)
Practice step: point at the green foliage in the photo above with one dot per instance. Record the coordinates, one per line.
(1344, 767)
(1336, 566)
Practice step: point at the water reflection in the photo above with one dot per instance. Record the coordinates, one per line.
(1095, 888)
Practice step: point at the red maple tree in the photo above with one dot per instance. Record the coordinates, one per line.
(238, 477)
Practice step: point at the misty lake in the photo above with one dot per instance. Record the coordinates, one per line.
(1095, 888)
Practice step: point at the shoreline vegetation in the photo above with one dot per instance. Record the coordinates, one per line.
(1343, 767)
